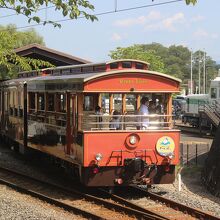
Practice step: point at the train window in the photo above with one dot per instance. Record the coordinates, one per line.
(6, 101)
(131, 103)
(117, 102)
(76, 70)
(213, 93)
(61, 100)
(87, 69)
(11, 99)
(32, 100)
(99, 68)
(126, 64)
(114, 65)
(20, 112)
(19, 98)
(105, 102)
(15, 112)
(41, 101)
(139, 66)
(11, 111)
(88, 103)
(51, 102)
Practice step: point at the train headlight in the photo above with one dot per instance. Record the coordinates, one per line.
(133, 140)
(98, 157)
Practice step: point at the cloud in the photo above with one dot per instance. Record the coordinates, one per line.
(197, 18)
(153, 21)
(168, 23)
(214, 36)
(200, 33)
(116, 37)
(141, 20)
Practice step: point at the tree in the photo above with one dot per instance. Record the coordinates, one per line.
(138, 53)
(10, 62)
(175, 61)
(68, 8)
(23, 38)
(191, 1)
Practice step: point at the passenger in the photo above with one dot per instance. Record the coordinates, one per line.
(115, 121)
(153, 112)
(143, 122)
(160, 111)
(98, 112)
(152, 107)
(159, 108)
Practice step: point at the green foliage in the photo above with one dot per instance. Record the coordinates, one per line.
(138, 53)
(70, 8)
(10, 62)
(23, 38)
(191, 2)
(174, 60)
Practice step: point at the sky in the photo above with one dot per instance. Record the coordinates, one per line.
(196, 27)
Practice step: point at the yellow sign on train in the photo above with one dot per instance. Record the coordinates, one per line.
(165, 146)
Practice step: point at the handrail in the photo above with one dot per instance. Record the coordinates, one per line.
(212, 112)
(126, 122)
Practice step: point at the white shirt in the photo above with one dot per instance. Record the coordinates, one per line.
(143, 121)
(115, 123)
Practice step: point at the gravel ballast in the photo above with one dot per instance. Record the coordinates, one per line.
(14, 205)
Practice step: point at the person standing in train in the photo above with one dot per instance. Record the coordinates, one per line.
(115, 121)
(98, 112)
(143, 122)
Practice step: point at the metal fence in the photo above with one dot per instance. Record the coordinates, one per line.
(193, 153)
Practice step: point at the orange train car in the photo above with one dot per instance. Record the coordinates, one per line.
(55, 111)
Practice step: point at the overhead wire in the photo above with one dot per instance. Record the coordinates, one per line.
(14, 14)
(102, 13)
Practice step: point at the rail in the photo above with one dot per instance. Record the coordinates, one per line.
(72, 199)
(158, 205)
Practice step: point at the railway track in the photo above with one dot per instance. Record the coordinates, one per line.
(73, 200)
(100, 203)
(193, 130)
(166, 208)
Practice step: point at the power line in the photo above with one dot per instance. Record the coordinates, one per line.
(104, 13)
(10, 15)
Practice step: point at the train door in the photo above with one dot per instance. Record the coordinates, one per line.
(73, 107)
(71, 126)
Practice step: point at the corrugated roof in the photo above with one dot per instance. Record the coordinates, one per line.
(30, 49)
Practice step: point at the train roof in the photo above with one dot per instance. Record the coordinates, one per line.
(118, 76)
(81, 78)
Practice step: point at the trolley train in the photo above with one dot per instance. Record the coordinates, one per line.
(53, 111)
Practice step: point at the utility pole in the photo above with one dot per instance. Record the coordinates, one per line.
(191, 72)
(199, 75)
(204, 73)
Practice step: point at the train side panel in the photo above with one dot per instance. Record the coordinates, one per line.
(12, 113)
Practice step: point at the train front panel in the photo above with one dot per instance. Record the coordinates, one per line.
(130, 158)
